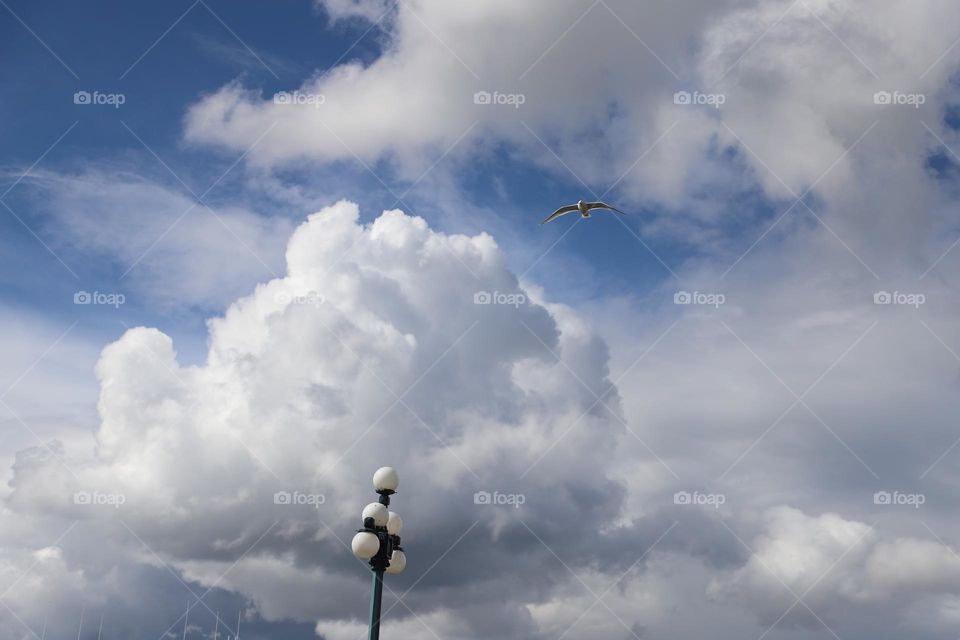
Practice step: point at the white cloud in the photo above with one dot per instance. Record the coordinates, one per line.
(167, 246)
(45, 378)
(299, 370)
(834, 564)
(417, 99)
(298, 394)
(341, 9)
(798, 81)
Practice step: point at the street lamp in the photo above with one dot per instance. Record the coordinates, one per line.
(379, 540)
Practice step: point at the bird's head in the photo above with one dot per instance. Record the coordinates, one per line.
(579, 202)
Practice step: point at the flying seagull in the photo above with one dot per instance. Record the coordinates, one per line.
(581, 206)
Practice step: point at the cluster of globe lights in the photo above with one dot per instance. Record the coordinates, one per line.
(381, 527)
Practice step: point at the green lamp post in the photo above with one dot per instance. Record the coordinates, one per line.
(378, 542)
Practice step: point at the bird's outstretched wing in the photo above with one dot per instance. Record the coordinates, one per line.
(559, 212)
(603, 205)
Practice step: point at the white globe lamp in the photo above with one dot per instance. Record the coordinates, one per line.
(378, 512)
(365, 545)
(398, 562)
(394, 524)
(386, 480)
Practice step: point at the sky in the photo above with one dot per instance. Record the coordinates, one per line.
(253, 251)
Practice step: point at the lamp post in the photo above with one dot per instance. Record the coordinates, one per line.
(379, 540)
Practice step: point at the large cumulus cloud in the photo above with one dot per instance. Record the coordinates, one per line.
(372, 349)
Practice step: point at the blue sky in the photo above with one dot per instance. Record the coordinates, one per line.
(162, 58)
(124, 49)
(731, 412)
